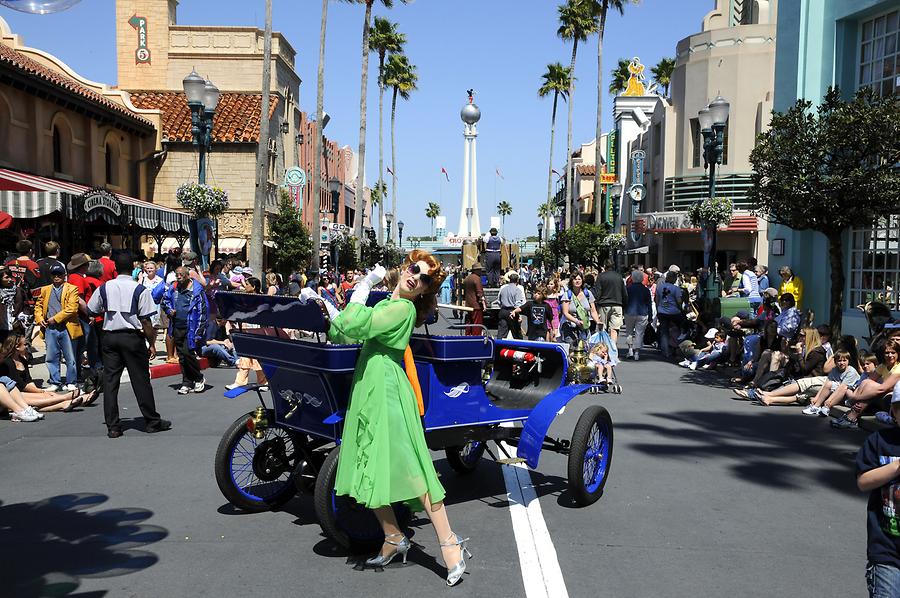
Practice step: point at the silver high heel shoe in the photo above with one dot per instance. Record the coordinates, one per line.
(456, 573)
(380, 560)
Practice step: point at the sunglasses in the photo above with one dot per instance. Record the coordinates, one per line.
(415, 269)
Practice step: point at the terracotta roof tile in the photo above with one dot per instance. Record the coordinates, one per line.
(23, 63)
(586, 169)
(236, 120)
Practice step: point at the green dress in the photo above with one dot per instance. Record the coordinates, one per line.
(383, 458)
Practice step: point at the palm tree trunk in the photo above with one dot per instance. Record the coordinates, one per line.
(550, 168)
(257, 232)
(393, 161)
(361, 172)
(381, 146)
(598, 208)
(317, 156)
(570, 172)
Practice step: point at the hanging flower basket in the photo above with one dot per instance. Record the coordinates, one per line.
(711, 212)
(613, 240)
(203, 201)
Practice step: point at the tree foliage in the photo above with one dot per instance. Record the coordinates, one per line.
(618, 80)
(662, 73)
(293, 244)
(828, 169)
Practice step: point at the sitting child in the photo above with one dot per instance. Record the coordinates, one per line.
(218, 348)
(841, 378)
(537, 312)
(599, 357)
(708, 355)
(237, 276)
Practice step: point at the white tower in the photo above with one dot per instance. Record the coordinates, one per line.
(469, 225)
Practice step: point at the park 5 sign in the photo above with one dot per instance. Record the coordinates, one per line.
(142, 53)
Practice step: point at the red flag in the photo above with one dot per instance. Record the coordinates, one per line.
(444, 172)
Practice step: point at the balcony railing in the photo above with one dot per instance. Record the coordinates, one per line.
(681, 192)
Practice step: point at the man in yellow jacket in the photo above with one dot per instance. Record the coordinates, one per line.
(56, 312)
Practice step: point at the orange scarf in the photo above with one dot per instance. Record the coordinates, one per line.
(410, 366)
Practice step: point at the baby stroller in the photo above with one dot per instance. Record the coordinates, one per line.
(613, 386)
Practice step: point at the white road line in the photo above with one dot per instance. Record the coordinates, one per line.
(541, 574)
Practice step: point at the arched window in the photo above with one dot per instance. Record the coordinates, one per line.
(112, 159)
(111, 178)
(57, 150)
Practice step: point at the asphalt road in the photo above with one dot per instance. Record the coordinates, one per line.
(707, 497)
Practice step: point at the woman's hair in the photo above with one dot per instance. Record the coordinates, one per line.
(812, 340)
(255, 283)
(786, 271)
(8, 348)
(741, 266)
(391, 279)
(576, 274)
(427, 301)
(272, 279)
(94, 269)
(894, 344)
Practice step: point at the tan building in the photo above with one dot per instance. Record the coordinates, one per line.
(76, 157)
(733, 56)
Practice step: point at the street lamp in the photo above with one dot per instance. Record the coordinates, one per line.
(400, 232)
(317, 200)
(202, 99)
(334, 188)
(713, 120)
(389, 217)
(540, 233)
(558, 220)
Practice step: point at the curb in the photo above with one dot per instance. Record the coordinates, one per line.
(164, 370)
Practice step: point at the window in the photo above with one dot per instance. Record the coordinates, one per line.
(112, 165)
(875, 263)
(657, 138)
(57, 150)
(697, 140)
(878, 54)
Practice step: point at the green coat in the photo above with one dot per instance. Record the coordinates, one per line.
(383, 458)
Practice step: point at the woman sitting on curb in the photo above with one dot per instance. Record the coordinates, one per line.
(14, 365)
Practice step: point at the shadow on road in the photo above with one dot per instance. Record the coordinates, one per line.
(760, 446)
(50, 545)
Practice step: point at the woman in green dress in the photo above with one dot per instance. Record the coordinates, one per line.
(384, 458)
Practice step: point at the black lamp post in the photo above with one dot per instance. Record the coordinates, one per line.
(558, 219)
(389, 217)
(334, 189)
(202, 98)
(400, 232)
(713, 120)
(540, 233)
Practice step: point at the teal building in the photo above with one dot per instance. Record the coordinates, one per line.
(850, 44)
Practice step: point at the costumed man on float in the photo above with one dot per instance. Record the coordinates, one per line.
(383, 455)
(492, 245)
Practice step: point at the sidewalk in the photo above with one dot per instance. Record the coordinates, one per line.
(158, 367)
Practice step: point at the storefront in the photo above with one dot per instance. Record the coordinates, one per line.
(80, 218)
(664, 238)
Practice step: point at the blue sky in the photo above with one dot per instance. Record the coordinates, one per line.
(498, 47)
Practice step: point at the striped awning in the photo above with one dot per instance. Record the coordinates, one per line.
(29, 196)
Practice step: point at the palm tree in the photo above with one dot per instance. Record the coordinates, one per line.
(432, 211)
(317, 156)
(363, 85)
(376, 198)
(662, 73)
(603, 7)
(383, 38)
(619, 79)
(504, 209)
(556, 81)
(545, 212)
(577, 20)
(401, 77)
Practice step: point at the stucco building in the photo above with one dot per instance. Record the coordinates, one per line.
(733, 56)
(76, 157)
(849, 44)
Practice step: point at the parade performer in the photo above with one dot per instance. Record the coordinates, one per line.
(384, 458)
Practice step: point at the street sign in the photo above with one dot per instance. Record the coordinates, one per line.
(608, 178)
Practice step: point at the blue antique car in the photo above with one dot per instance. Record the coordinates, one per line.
(476, 390)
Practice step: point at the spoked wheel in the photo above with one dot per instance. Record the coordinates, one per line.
(257, 474)
(590, 455)
(464, 459)
(351, 525)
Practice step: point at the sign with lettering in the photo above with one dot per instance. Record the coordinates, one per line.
(612, 167)
(99, 199)
(142, 52)
(294, 181)
(666, 221)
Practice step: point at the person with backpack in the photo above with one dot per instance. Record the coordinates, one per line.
(578, 310)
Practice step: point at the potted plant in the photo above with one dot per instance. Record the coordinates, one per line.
(713, 212)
